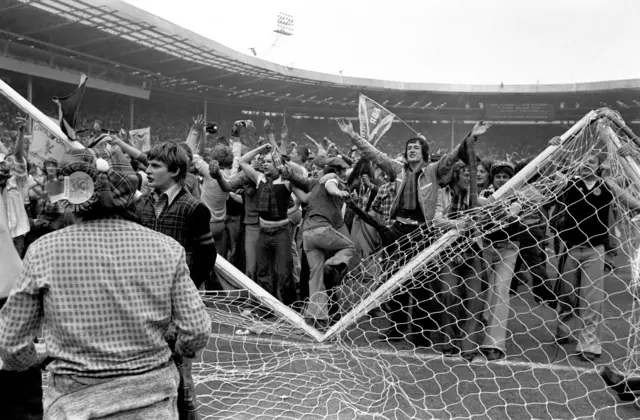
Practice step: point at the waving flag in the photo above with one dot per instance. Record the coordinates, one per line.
(141, 139)
(68, 107)
(375, 120)
(46, 146)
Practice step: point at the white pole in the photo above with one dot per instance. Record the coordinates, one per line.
(19, 101)
(632, 168)
(266, 298)
(393, 284)
(532, 168)
(403, 275)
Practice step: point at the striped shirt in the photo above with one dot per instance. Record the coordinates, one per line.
(165, 199)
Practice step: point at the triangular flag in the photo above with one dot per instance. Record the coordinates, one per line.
(44, 145)
(68, 107)
(141, 139)
(375, 120)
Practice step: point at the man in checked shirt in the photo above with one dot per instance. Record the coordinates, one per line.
(104, 292)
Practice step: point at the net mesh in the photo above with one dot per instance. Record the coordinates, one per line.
(419, 328)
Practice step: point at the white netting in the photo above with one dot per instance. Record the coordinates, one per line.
(410, 312)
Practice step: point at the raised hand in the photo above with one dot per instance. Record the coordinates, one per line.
(284, 133)
(366, 180)
(268, 127)
(214, 169)
(286, 172)
(346, 126)
(480, 128)
(199, 122)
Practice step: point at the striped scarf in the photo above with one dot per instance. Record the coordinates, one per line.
(410, 190)
(267, 202)
(459, 203)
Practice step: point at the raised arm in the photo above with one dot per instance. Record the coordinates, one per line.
(321, 150)
(444, 170)
(367, 150)
(130, 150)
(245, 161)
(296, 179)
(195, 133)
(19, 149)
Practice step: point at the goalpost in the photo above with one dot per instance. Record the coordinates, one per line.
(350, 370)
(282, 367)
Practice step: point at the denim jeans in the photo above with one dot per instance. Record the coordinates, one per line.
(533, 258)
(460, 291)
(582, 300)
(501, 259)
(217, 231)
(319, 244)
(274, 256)
(232, 232)
(295, 251)
(251, 233)
(415, 300)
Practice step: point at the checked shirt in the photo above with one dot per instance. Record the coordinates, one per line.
(104, 293)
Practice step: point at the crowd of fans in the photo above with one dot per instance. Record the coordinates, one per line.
(293, 214)
(167, 116)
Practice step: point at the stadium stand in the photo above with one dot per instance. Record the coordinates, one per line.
(266, 361)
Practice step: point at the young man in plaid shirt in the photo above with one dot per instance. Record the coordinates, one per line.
(171, 210)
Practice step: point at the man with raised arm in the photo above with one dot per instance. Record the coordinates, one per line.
(274, 250)
(415, 202)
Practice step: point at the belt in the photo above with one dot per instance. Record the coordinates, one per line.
(273, 224)
(405, 221)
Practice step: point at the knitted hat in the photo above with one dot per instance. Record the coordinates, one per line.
(336, 162)
(502, 167)
(87, 182)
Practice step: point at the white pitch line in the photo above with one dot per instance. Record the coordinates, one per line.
(405, 353)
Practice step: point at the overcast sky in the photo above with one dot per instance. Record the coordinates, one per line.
(447, 41)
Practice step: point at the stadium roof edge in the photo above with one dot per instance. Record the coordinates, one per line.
(167, 26)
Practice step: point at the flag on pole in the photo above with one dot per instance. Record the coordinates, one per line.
(68, 107)
(45, 145)
(141, 139)
(375, 120)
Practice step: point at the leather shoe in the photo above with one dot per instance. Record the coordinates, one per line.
(616, 382)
